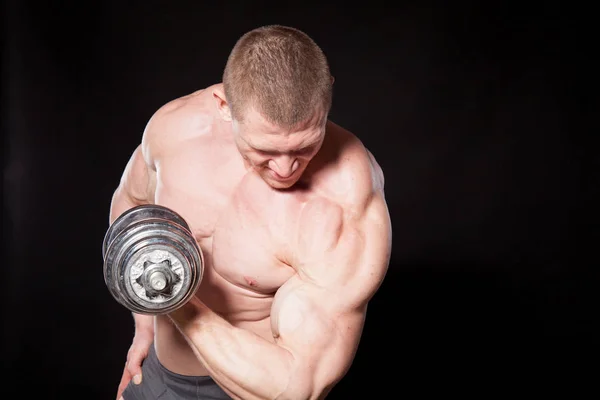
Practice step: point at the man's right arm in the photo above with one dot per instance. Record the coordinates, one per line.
(136, 187)
(138, 182)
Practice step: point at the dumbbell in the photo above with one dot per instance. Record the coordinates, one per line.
(152, 263)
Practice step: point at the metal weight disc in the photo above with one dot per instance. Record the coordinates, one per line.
(140, 213)
(184, 262)
(125, 264)
(162, 248)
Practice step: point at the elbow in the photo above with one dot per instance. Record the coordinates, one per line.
(297, 393)
(122, 201)
(305, 393)
(304, 386)
(299, 386)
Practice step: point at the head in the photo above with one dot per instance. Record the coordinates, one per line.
(277, 96)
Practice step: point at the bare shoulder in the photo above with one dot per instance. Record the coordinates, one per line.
(175, 122)
(348, 173)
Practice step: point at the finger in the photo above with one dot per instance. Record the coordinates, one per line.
(135, 375)
(123, 385)
(134, 366)
(125, 379)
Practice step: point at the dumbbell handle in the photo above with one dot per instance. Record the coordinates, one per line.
(158, 281)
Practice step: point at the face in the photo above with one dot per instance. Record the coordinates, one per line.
(280, 156)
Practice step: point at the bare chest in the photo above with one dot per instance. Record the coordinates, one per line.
(241, 224)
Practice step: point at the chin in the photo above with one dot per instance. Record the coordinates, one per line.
(275, 184)
(281, 185)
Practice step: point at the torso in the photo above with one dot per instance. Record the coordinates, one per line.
(241, 224)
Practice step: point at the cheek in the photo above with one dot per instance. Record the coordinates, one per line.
(304, 160)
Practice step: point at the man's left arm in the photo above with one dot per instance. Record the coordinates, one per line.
(341, 256)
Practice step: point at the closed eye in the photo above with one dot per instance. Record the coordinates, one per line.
(300, 152)
(267, 152)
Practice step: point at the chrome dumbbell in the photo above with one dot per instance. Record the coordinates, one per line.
(152, 263)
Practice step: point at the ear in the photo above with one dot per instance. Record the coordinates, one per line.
(222, 105)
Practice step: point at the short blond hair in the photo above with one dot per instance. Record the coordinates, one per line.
(280, 72)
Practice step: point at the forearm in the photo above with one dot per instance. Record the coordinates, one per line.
(144, 324)
(243, 363)
(122, 202)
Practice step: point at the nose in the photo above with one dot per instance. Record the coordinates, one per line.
(284, 165)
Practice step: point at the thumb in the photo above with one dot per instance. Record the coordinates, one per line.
(135, 370)
(136, 373)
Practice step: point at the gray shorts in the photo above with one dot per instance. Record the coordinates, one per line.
(160, 383)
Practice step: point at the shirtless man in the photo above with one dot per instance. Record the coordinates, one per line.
(289, 211)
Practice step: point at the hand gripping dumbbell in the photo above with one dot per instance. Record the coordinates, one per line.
(152, 263)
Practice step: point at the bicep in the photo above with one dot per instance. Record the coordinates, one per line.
(318, 315)
(347, 251)
(138, 180)
(135, 186)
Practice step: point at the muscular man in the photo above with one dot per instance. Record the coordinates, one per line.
(289, 211)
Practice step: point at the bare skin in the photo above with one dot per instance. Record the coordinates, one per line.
(296, 237)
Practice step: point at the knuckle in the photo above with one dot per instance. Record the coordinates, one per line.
(132, 370)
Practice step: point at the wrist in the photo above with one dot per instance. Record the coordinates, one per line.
(144, 325)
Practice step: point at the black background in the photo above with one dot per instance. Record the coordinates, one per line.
(474, 113)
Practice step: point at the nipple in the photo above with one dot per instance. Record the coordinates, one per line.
(250, 281)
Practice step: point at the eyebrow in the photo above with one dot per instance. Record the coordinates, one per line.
(260, 148)
(263, 150)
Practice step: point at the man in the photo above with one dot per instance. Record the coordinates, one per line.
(289, 211)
